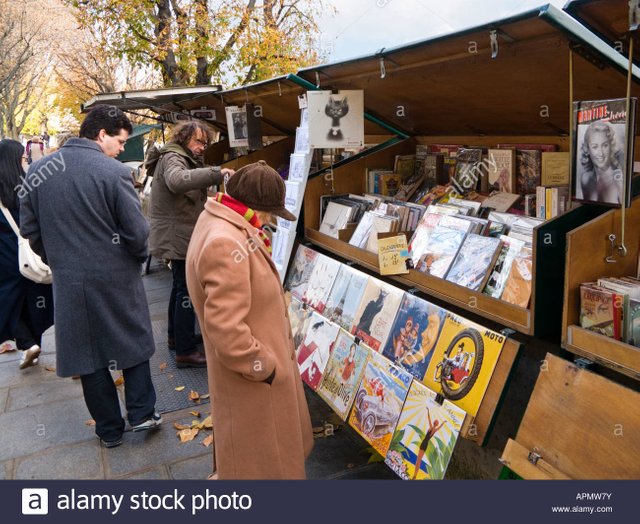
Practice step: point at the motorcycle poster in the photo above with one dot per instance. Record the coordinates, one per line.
(463, 362)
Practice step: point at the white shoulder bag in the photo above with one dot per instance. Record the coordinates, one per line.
(30, 264)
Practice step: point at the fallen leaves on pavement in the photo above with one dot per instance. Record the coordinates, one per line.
(194, 396)
(163, 366)
(208, 441)
(187, 435)
(50, 368)
(180, 388)
(195, 413)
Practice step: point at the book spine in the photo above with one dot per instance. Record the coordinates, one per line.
(548, 203)
(540, 201)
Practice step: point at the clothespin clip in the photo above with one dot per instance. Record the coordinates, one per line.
(383, 69)
(493, 35)
(357, 340)
(317, 79)
(439, 399)
(279, 89)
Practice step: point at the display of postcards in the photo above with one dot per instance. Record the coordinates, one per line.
(302, 140)
(336, 218)
(603, 152)
(345, 296)
(301, 268)
(378, 401)
(293, 196)
(475, 258)
(320, 282)
(380, 224)
(414, 335)
(336, 120)
(634, 322)
(510, 248)
(282, 242)
(627, 290)
(421, 236)
(343, 373)
(376, 313)
(315, 349)
(299, 166)
(441, 250)
(601, 310)
(517, 289)
(463, 362)
(299, 316)
(425, 436)
(468, 170)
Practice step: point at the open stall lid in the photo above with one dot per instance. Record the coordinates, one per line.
(609, 19)
(578, 425)
(508, 77)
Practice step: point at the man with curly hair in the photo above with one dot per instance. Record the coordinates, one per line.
(178, 195)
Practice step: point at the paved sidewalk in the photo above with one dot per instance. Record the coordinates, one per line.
(44, 431)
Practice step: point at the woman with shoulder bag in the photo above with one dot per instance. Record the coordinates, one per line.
(26, 307)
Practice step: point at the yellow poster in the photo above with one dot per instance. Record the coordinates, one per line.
(463, 362)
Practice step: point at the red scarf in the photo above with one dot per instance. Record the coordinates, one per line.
(245, 212)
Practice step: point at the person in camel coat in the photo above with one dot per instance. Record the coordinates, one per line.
(260, 415)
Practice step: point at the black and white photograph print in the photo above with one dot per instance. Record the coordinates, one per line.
(603, 154)
(336, 120)
(237, 126)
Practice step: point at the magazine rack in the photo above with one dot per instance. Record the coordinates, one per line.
(590, 242)
(548, 262)
(578, 425)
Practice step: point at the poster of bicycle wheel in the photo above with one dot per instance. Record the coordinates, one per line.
(463, 361)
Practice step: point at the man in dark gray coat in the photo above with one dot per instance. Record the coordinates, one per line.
(80, 212)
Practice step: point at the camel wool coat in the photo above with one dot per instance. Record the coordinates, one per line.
(261, 420)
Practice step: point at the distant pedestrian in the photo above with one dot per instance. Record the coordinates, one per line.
(85, 220)
(178, 195)
(26, 308)
(35, 150)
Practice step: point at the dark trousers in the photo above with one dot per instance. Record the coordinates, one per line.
(182, 317)
(36, 315)
(101, 397)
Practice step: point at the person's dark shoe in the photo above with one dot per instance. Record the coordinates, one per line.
(151, 423)
(111, 443)
(192, 360)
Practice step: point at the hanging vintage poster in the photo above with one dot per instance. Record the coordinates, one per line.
(336, 120)
(603, 153)
(237, 127)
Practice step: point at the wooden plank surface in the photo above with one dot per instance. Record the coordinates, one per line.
(582, 424)
(604, 350)
(515, 457)
(488, 307)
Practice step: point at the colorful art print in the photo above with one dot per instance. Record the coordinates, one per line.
(473, 261)
(603, 153)
(517, 289)
(425, 436)
(345, 296)
(376, 313)
(378, 401)
(501, 170)
(320, 282)
(414, 335)
(299, 316)
(601, 310)
(463, 362)
(343, 373)
(441, 250)
(298, 279)
(634, 322)
(314, 352)
(336, 120)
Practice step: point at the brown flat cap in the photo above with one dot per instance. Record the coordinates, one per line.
(260, 187)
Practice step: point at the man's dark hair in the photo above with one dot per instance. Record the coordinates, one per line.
(106, 117)
(185, 131)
